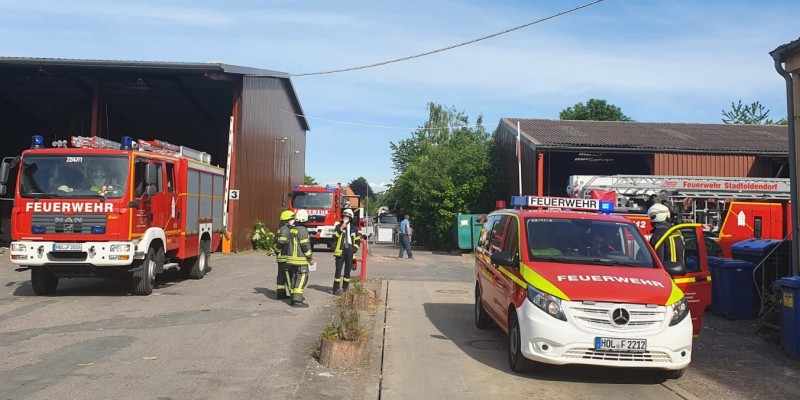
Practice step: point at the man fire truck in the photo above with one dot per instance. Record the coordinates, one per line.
(733, 209)
(159, 207)
(324, 205)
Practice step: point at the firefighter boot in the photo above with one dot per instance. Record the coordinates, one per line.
(282, 287)
(336, 290)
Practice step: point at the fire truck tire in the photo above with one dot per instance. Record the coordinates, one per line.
(674, 374)
(144, 278)
(200, 264)
(43, 281)
(482, 318)
(516, 360)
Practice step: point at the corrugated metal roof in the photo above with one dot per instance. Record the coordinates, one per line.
(784, 49)
(665, 137)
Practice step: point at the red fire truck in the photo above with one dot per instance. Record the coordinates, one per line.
(324, 205)
(157, 207)
(731, 209)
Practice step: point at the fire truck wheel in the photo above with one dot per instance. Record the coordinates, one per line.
(482, 318)
(516, 360)
(198, 268)
(144, 278)
(43, 281)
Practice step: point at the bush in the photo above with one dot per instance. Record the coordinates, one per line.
(349, 326)
(263, 238)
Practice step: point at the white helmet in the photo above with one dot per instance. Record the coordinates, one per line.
(658, 213)
(301, 216)
(347, 213)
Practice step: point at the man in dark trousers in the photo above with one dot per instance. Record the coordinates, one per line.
(405, 237)
(297, 259)
(672, 247)
(286, 222)
(347, 243)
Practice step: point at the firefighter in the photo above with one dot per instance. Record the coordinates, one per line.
(286, 222)
(347, 241)
(297, 259)
(672, 248)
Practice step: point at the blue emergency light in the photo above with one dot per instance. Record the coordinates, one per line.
(606, 207)
(98, 229)
(37, 142)
(519, 201)
(295, 187)
(329, 188)
(126, 143)
(37, 229)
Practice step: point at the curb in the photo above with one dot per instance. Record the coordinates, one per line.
(375, 376)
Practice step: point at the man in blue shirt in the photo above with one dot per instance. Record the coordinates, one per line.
(405, 237)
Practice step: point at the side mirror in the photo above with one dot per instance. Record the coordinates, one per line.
(674, 268)
(151, 190)
(150, 174)
(4, 171)
(503, 258)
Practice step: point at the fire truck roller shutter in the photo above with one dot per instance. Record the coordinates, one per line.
(192, 201)
(219, 200)
(206, 201)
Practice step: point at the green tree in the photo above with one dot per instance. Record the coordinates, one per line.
(360, 186)
(593, 110)
(753, 114)
(310, 181)
(444, 169)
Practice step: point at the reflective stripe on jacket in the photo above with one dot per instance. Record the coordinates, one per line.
(672, 248)
(281, 241)
(354, 239)
(298, 248)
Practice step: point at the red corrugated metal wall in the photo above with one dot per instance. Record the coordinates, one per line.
(266, 165)
(708, 165)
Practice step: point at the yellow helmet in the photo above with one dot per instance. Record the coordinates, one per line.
(287, 215)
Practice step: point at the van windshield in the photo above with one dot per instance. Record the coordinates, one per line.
(73, 176)
(585, 241)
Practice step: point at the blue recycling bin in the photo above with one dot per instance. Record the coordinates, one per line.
(735, 288)
(713, 263)
(790, 314)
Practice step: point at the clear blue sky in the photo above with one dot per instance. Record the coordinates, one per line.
(659, 60)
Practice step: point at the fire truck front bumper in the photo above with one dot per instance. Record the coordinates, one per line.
(99, 254)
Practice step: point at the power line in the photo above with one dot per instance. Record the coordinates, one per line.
(453, 46)
(370, 125)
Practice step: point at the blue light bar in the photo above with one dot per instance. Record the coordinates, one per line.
(295, 187)
(126, 143)
(329, 188)
(38, 229)
(519, 201)
(606, 207)
(98, 229)
(37, 142)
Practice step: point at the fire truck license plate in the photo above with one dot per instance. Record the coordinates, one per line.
(67, 247)
(601, 343)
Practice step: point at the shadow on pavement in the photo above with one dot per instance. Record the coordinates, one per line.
(320, 288)
(455, 322)
(114, 286)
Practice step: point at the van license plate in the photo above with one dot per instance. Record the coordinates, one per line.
(67, 247)
(612, 344)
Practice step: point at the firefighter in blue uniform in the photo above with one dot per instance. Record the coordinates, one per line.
(347, 240)
(298, 256)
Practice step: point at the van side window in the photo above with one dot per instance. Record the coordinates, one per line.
(484, 241)
(511, 243)
(496, 241)
(138, 177)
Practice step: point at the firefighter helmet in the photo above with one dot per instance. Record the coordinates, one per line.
(287, 215)
(658, 213)
(301, 216)
(347, 213)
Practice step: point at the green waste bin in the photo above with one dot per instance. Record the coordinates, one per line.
(468, 229)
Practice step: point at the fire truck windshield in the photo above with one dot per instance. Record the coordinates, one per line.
(65, 176)
(587, 241)
(322, 200)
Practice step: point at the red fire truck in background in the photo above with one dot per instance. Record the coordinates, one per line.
(159, 208)
(729, 209)
(324, 205)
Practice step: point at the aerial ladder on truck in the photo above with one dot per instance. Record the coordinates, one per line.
(730, 208)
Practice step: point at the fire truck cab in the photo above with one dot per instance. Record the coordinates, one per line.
(102, 208)
(573, 287)
(324, 205)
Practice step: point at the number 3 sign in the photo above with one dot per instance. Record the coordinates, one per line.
(234, 194)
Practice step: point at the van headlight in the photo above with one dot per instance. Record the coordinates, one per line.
(546, 302)
(680, 309)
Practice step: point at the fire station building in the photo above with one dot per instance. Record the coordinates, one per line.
(248, 117)
(554, 150)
